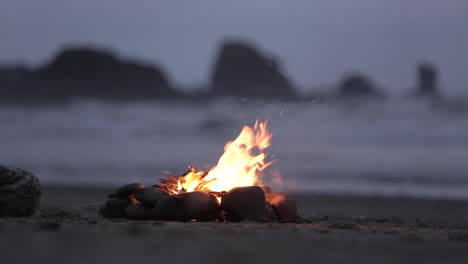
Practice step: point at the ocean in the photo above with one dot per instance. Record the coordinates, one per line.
(414, 148)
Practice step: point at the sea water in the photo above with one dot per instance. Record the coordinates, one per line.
(390, 147)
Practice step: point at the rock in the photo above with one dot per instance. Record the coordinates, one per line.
(200, 206)
(285, 207)
(169, 209)
(244, 203)
(427, 77)
(138, 212)
(270, 213)
(115, 208)
(11, 78)
(91, 72)
(126, 190)
(357, 85)
(20, 192)
(266, 189)
(241, 70)
(149, 196)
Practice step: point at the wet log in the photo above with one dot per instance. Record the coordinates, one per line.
(244, 203)
(285, 207)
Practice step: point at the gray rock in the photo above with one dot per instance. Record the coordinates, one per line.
(149, 196)
(126, 190)
(270, 213)
(427, 80)
(358, 85)
(244, 203)
(115, 208)
(242, 70)
(169, 209)
(285, 207)
(138, 212)
(200, 206)
(20, 192)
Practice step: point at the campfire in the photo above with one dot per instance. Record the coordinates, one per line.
(233, 190)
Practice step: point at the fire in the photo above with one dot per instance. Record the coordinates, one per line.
(241, 164)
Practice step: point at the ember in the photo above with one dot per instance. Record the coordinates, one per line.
(232, 190)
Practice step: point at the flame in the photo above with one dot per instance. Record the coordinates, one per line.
(241, 164)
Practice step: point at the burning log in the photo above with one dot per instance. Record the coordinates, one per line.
(285, 207)
(244, 203)
(184, 207)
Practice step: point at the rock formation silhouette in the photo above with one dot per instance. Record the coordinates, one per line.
(427, 78)
(87, 72)
(241, 70)
(358, 85)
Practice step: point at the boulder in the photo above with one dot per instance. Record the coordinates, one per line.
(285, 207)
(244, 203)
(20, 192)
(427, 78)
(138, 212)
(149, 196)
(12, 78)
(115, 208)
(358, 85)
(241, 70)
(126, 190)
(200, 206)
(95, 73)
(270, 213)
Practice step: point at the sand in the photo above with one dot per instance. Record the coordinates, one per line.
(341, 229)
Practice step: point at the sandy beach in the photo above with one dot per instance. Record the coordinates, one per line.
(339, 229)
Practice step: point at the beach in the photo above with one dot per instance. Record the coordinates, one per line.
(335, 229)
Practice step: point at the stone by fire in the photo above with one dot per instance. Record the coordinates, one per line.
(251, 203)
(233, 190)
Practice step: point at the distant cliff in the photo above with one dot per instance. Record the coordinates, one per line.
(84, 72)
(241, 70)
(358, 85)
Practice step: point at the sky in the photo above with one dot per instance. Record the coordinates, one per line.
(317, 41)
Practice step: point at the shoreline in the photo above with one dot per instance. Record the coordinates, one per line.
(310, 205)
(339, 229)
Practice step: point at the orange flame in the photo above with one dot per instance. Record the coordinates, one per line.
(241, 164)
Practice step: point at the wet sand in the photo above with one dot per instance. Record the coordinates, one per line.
(340, 229)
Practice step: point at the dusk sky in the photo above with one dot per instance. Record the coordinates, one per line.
(317, 40)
